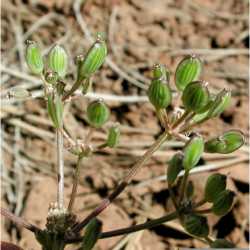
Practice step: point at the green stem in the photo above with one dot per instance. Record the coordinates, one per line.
(181, 119)
(147, 225)
(75, 184)
(172, 196)
(183, 185)
(200, 203)
(60, 166)
(204, 211)
(72, 90)
(123, 184)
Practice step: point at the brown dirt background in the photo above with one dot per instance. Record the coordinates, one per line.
(139, 33)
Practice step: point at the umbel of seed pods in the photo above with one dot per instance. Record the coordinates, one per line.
(201, 105)
(197, 102)
(52, 68)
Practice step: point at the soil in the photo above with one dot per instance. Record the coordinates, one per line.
(139, 34)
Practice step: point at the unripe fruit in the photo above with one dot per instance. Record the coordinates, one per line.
(221, 102)
(174, 167)
(93, 60)
(55, 110)
(192, 152)
(113, 136)
(196, 225)
(160, 72)
(223, 203)
(188, 70)
(34, 58)
(195, 97)
(58, 60)
(159, 94)
(226, 143)
(97, 113)
(215, 184)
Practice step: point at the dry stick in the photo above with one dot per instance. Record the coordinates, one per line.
(123, 184)
(75, 184)
(19, 221)
(60, 167)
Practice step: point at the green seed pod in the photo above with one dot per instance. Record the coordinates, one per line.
(192, 152)
(223, 203)
(55, 110)
(188, 70)
(97, 113)
(196, 225)
(58, 60)
(159, 94)
(221, 243)
(160, 72)
(221, 102)
(94, 59)
(113, 136)
(195, 97)
(51, 77)
(91, 235)
(226, 143)
(175, 166)
(215, 184)
(34, 58)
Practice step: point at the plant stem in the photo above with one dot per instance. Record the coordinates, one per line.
(75, 184)
(147, 225)
(123, 184)
(172, 196)
(72, 90)
(60, 166)
(200, 203)
(204, 211)
(183, 184)
(19, 221)
(163, 118)
(181, 119)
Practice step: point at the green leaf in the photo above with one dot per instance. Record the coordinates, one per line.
(193, 152)
(188, 70)
(222, 243)
(223, 203)
(175, 166)
(196, 225)
(92, 233)
(215, 184)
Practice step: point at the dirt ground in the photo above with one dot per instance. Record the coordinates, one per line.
(139, 33)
